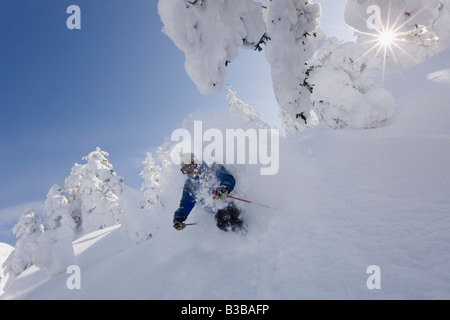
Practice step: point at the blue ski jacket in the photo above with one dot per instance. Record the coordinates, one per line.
(201, 186)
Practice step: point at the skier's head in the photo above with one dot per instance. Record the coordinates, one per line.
(189, 164)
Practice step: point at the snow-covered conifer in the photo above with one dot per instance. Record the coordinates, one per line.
(294, 30)
(48, 247)
(58, 210)
(164, 156)
(210, 34)
(88, 201)
(138, 219)
(94, 189)
(237, 107)
(151, 173)
(28, 231)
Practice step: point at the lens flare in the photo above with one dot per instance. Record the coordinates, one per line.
(388, 38)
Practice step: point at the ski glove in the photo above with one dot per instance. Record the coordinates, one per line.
(220, 193)
(179, 225)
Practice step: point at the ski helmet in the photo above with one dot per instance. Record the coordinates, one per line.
(188, 158)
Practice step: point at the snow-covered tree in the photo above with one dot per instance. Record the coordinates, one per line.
(210, 34)
(151, 173)
(344, 84)
(89, 200)
(350, 77)
(58, 210)
(141, 209)
(54, 251)
(350, 88)
(48, 247)
(164, 156)
(295, 34)
(28, 224)
(28, 231)
(93, 189)
(237, 107)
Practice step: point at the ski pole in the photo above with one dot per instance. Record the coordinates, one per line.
(258, 204)
(243, 200)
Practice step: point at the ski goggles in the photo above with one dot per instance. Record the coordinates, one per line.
(186, 169)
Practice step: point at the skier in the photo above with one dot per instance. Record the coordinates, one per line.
(207, 184)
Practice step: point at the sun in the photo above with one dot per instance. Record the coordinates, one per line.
(388, 38)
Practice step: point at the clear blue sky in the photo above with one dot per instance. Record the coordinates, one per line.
(118, 83)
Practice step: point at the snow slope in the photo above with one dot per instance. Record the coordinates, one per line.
(345, 200)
